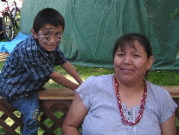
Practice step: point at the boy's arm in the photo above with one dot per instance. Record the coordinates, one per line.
(62, 80)
(1, 32)
(71, 71)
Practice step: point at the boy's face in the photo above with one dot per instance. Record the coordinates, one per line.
(49, 36)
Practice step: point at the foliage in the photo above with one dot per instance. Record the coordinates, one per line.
(163, 78)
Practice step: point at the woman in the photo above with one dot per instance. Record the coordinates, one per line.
(123, 103)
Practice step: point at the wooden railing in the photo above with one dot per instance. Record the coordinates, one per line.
(54, 104)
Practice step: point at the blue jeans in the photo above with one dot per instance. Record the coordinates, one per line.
(29, 108)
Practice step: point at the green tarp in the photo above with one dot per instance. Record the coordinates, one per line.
(92, 27)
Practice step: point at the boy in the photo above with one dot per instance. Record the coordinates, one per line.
(31, 65)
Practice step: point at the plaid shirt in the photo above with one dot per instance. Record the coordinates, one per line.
(28, 68)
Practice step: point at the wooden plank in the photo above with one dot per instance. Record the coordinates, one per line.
(3, 56)
(173, 90)
(67, 94)
(56, 94)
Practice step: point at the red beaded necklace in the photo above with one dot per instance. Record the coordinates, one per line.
(142, 106)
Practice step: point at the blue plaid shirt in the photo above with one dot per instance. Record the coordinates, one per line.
(28, 68)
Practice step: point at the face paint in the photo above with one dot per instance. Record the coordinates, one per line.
(49, 37)
(47, 34)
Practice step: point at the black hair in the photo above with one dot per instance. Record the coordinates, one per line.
(48, 16)
(128, 39)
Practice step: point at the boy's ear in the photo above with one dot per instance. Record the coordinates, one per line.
(34, 33)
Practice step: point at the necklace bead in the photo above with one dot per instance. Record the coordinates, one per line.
(142, 105)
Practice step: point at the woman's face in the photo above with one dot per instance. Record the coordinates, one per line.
(49, 36)
(131, 64)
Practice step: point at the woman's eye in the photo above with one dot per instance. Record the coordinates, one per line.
(120, 54)
(136, 56)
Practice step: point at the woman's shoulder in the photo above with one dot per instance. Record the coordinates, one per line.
(94, 82)
(100, 77)
(155, 87)
(158, 91)
(161, 100)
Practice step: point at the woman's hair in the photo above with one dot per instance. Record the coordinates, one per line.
(48, 16)
(129, 39)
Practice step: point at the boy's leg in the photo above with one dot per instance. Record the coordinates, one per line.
(29, 108)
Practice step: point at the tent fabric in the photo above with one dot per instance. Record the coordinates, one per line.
(92, 27)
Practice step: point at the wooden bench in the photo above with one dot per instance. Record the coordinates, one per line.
(53, 101)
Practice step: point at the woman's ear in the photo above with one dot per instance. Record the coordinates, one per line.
(34, 33)
(150, 62)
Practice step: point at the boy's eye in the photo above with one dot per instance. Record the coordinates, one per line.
(47, 38)
(58, 35)
(44, 37)
(44, 34)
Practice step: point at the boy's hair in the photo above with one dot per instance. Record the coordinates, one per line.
(48, 16)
